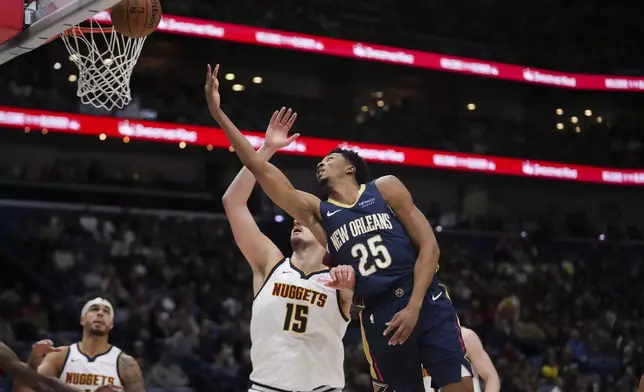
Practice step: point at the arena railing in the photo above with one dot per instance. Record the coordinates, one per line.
(386, 54)
(192, 135)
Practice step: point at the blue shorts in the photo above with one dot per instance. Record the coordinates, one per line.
(436, 342)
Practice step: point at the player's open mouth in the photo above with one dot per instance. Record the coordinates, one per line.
(319, 173)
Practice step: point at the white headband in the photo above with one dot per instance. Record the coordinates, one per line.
(97, 301)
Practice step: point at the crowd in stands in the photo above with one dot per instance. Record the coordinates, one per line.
(554, 316)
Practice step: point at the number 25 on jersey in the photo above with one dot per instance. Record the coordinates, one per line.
(374, 250)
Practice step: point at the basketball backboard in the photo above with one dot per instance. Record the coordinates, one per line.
(46, 19)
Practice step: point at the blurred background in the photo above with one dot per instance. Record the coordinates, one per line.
(546, 267)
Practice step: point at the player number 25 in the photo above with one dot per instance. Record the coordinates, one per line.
(297, 316)
(375, 249)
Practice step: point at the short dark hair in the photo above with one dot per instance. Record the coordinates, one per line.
(362, 170)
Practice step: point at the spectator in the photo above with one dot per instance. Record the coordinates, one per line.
(167, 376)
(577, 347)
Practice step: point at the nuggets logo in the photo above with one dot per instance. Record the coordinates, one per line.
(300, 293)
(88, 379)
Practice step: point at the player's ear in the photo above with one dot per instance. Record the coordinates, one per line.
(350, 170)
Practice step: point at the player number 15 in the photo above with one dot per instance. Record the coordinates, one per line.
(378, 252)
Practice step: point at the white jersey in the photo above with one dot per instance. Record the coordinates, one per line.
(476, 380)
(296, 330)
(89, 374)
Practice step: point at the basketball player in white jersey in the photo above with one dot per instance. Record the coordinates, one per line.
(481, 365)
(297, 322)
(93, 362)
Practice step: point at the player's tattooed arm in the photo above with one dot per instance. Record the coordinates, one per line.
(302, 206)
(131, 375)
(421, 234)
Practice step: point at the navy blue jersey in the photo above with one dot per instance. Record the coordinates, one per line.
(369, 237)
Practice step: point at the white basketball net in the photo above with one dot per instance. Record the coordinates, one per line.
(105, 60)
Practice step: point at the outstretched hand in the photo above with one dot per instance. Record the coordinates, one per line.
(211, 89)
(343, 277)
(277, 131)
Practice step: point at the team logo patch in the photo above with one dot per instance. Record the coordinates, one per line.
(399, 293)
(379, 387)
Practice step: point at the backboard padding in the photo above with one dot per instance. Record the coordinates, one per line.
(51, 18)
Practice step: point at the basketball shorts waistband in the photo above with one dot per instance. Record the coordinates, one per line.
(257, 387)
(391, 293)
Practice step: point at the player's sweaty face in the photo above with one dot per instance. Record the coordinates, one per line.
(332, 166)
(301, 233)
(98, 319)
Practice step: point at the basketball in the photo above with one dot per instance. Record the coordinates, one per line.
(136, 18)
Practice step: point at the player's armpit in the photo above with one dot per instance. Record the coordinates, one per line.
(481, 361)
(419, 230)
(131, 375)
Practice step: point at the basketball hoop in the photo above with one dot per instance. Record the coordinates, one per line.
(105, 59)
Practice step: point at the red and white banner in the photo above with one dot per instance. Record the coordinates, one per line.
(412, 58)
(111, 127)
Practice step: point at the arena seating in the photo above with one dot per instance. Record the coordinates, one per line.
(547, 309)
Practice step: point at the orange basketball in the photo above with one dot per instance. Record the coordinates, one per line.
(136, 18)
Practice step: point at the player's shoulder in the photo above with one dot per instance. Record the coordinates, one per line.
(388, 180)
(129, 370)
(126, 362)
(59, 355)
(55, 361)
(391, 188)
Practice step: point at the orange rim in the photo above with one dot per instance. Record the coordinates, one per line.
(78, 30)
(87, 30)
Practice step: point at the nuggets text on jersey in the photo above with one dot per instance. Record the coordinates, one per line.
(292, 291)
(82, 379)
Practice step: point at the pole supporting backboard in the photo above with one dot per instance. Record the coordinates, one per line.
(50, 18)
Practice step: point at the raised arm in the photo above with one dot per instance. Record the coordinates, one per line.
(481, 360)
(421, 234)
(302, 206)
(261, 252)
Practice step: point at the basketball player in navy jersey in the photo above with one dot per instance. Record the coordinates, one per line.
(375, 227)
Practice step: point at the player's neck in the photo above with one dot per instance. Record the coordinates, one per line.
(308, 259)
(94, 345)
(345, 192)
